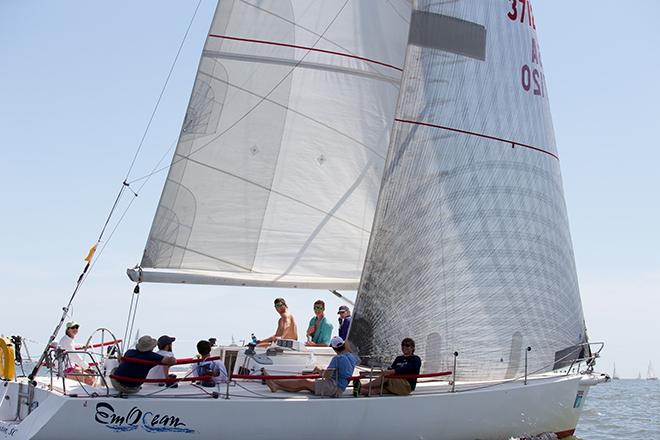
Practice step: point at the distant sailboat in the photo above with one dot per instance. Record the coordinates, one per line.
(614, 376)
(639, 376)
(650, 374)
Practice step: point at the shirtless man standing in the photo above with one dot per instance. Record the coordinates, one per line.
(286, 326)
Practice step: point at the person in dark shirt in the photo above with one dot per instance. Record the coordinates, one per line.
(409, 363)
(134, 370)
(344, 321)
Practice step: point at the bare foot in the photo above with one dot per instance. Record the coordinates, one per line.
(272, 385)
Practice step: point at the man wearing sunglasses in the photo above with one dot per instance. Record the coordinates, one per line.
(319, 331)
(409, 363)
(344, 321)
(286, 326)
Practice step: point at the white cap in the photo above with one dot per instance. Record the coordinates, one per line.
(336, 342)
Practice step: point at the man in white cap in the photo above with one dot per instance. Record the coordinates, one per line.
(334, 379)
(132, 370)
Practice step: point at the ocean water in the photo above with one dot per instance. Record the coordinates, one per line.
(626, 409)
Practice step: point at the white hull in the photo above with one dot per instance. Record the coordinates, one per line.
(551, 403)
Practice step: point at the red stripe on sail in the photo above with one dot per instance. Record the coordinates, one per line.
(312, 49)
(485, 136)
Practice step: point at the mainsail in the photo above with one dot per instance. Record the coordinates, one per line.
(276, 174)
(470, 250)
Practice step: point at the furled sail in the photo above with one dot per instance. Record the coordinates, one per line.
(276, 174)
(470, 249)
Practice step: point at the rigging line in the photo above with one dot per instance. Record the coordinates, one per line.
(136, 193)
(162, 91)
(266, 96)
(88, 266)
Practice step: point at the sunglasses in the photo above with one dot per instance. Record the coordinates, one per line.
(279, 305)
(75, 327)
(319, 308)
(407, 345)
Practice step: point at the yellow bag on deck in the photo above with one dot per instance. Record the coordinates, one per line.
(7, 359)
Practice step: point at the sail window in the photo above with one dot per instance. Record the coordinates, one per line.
(447, 33)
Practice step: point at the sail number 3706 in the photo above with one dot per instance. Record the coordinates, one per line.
(531, 74)
(521, 9)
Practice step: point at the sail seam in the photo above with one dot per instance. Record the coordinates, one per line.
(485, 136)
(308, 48)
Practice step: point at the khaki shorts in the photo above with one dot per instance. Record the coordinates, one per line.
(121, 387)
(326, 387)
(400, 387)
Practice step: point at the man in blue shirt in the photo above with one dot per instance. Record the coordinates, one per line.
(135, 365)
(334, 379)
(344, 321)
(320, 330)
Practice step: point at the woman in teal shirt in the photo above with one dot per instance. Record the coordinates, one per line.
(320, 330)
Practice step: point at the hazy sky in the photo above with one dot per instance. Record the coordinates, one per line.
(78, 83)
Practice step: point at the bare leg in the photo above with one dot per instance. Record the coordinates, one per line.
(291, 385)
(374, 385)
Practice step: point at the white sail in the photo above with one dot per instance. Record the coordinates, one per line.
(276, 174)
(470, 250)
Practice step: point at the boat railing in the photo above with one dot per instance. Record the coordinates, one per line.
(588, 354)
(60, 358)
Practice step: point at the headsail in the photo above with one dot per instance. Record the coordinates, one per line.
(470, 249)
(276, 174)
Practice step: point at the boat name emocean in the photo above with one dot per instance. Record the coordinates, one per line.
(137, 418)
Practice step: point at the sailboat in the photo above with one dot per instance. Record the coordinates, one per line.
(614, 375)
(650, 373)
(403, 149)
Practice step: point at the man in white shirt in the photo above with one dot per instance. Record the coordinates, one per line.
(165, 350)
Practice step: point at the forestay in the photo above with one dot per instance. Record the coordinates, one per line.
(470, 250)
(275, 177)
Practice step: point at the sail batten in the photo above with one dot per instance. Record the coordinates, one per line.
(277, 170)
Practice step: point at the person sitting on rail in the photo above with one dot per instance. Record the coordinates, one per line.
(135, 365)
(320, 330)
(409, 363)
(162, 371)
(334, 379)
(215, 368)
(286, 325)
(75, 367)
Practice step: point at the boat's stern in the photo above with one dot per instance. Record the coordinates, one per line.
(24, 408)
